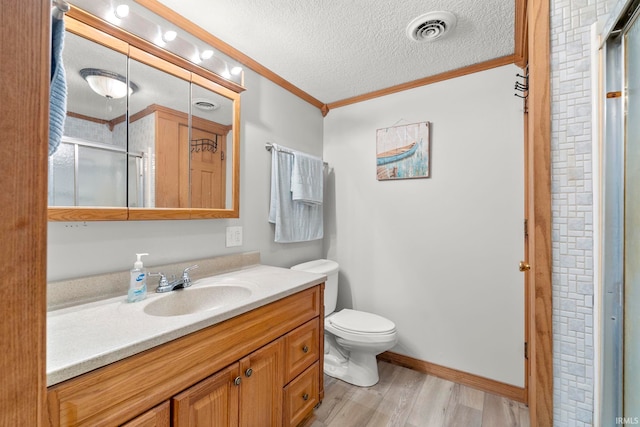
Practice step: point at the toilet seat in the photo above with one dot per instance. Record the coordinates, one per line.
(360, 326)
(361, 322)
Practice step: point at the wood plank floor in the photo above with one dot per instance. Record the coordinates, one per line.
(407, 398)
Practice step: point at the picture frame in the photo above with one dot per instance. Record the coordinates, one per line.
(403, 152)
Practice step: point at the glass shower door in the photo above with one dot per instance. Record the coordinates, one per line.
(83, 173)
(101, 177)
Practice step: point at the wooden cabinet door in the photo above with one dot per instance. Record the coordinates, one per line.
(261, 388)
(212, 402)
(160, 416)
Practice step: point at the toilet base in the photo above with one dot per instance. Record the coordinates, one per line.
(360, 369)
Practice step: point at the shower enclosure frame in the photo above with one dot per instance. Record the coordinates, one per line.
(619, 278)
(135, 192)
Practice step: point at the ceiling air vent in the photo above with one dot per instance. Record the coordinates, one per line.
(431, 26)
(205, 105)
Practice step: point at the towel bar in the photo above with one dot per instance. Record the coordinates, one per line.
(59, 8)
(268, 146)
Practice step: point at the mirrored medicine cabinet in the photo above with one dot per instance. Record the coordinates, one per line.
(147, 134)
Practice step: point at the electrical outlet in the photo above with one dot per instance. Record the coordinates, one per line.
(234, 236)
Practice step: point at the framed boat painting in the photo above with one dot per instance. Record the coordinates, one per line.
(403, 152)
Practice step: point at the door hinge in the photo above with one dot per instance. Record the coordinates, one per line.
(526, 228)
(526, 350)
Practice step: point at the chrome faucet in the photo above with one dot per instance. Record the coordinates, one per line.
(167, 286)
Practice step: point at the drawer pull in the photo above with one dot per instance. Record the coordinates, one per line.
(305, 349)
(248, 372)
(305, 397)
(237, 381)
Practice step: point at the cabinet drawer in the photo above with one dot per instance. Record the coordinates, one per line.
(301, 347)
(301, 395)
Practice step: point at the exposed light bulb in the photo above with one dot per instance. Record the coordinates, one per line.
(236, 70)
(206, 54)
(169, 36)
(122, 11)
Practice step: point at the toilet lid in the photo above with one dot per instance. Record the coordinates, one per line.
(361, 322)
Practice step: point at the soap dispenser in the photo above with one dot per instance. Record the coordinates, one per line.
(137, 281)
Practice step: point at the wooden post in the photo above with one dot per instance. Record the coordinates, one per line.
(539, 215)
(24, 116)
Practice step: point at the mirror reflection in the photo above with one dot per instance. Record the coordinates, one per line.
(211, 138)
(89, 167)
(159, 115)
(142, 133)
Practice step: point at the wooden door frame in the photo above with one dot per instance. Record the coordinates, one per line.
(532, 48)
(538, 153)
(24, 117)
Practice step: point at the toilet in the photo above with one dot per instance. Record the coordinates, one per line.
(352, 338)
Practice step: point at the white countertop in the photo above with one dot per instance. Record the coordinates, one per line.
(89, 336)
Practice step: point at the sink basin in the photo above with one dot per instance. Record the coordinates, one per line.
(195, 300)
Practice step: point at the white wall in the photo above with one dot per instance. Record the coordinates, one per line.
(269, 113)
(438, 256)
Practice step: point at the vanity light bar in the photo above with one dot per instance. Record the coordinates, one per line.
(144, 23)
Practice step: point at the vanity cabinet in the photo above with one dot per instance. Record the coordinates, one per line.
(212, 402)
(253, 391)
(160, 416)
(248, 393)
(260, 368)
(261, 387)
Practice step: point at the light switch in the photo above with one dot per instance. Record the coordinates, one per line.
(234, 236)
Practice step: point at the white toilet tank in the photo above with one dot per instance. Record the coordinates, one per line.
(330, 269)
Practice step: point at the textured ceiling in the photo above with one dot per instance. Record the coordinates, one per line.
(337, 49)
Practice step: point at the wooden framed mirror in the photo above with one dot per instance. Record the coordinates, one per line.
(169, 148)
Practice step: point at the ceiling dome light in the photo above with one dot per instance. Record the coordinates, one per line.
(431, 26)
(122, 11)
(107, 83)
(236, 70)
(206, 54)
(169, 36)
(205, 104)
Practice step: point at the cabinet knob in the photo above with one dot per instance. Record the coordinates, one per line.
(237, 381)
(248, 372)
(305, 349)
(305, 397)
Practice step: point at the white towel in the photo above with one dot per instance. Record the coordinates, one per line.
(306, 179)
(294, 222)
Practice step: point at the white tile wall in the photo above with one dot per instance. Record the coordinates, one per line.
(88, 130)
(572, 207)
